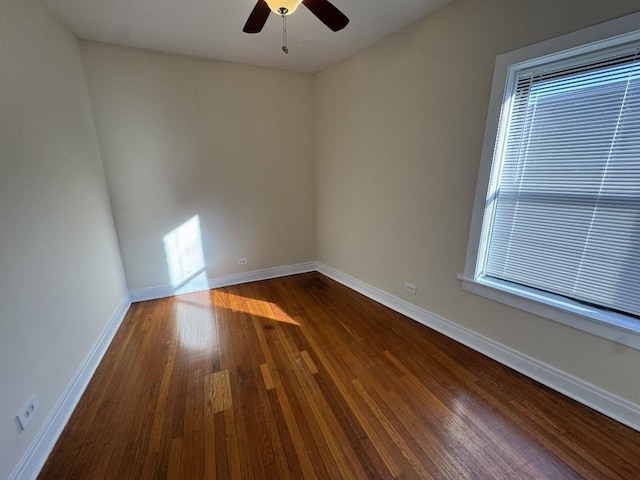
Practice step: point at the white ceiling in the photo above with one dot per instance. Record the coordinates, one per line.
(213, 28)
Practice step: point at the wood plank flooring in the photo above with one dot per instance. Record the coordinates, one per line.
(302, 378)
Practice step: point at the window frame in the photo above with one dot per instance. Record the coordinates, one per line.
(617, 327)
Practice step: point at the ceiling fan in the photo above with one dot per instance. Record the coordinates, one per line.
(326, 12)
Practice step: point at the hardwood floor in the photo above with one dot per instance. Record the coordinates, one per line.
(302, 378)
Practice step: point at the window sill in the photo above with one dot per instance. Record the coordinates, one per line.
(610, 325)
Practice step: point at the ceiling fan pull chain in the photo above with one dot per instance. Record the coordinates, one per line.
(285, 49)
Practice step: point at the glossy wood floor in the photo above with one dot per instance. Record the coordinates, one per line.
(302, 378)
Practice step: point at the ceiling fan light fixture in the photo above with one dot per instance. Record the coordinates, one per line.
(278, 6)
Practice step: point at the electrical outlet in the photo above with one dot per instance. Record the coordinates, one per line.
(410, 288)
(242, 261)
(27, 412)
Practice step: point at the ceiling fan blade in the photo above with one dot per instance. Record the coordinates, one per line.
(327, 14)
(257, 18)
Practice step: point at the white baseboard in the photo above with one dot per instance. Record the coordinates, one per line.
(36, 455)
(604, 402)
(151, 293)
(266, 274)
(163, 291)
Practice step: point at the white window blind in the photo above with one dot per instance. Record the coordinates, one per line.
(563, 210)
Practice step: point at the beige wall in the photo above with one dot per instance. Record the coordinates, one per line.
(183, 137)
(399, 130)
(61, 276)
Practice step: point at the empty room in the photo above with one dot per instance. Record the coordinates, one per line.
(346, 239)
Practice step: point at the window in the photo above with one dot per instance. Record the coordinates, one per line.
(557, 217)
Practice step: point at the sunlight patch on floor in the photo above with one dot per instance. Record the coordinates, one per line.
(252, 306)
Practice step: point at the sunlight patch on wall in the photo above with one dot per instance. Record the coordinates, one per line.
(185, 257)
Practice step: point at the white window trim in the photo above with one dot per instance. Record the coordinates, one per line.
(613, 326)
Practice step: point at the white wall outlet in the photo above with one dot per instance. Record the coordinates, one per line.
(27, 412)
(242, 261)
(410, 288)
